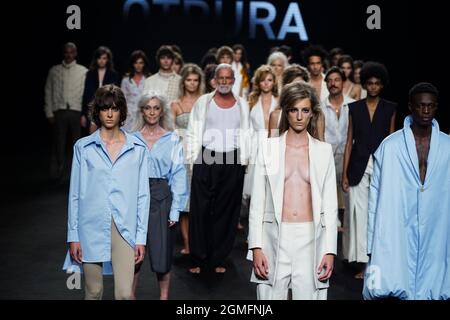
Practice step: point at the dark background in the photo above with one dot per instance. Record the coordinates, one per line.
(410, 43)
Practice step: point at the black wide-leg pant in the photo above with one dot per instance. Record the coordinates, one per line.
(216, 194)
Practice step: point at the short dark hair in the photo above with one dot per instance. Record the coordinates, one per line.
(335, 70)
(336, 51)
(109, 95)
(314, 50)
(164, 51)
(287, 50)
(423, 87)
(376, 70)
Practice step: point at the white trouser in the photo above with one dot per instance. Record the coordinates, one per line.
(295, 268)
(358, 217)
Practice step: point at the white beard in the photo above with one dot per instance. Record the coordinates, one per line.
(224, 89)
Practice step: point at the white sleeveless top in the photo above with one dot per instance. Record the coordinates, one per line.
(222, 128)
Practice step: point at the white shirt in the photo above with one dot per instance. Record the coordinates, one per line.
(222, 128)
(164, 83)
(336, 128)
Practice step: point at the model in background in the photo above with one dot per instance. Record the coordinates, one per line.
(369, 122)
(101, 72)
(351, 89)
(278, 61)
(314, 57)
(63, 104)
(133, 85)
(166, 81)
(218, 143)
(168, 185)
(241, 70)
(191, 88)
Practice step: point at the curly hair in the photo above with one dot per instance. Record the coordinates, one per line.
(377, 70)
(314, 51)
(108, 96)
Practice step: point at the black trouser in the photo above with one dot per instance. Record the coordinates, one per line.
(216, 193)
(66, 132)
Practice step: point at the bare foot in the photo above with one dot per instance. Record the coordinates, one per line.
(184, 251)
(240, 226)
(340, 229)
(359, 275)
(195, 270)
(220, 270)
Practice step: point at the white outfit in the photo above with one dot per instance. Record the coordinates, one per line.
(197, 125)
(132, 92)
(238, 78)
(260, 132)
(64, 88)
(292, 270)
(265, 227)
(324, 93)
(358, 217)
(165, 83)
(222, 128)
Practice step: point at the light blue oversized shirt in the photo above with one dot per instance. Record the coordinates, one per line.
(409, 223)
(166, 160)
(101, 190)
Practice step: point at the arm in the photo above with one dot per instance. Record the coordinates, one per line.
(143, 201)
(373, 198)
(347, 154)
(256, 214)
(192, 132)
(173, 110)
(74, 197)
(330, 210)
(392, 127)
(48, 108)
(178, 182)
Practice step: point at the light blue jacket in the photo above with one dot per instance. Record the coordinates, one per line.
(101, 190)
(409, 223)
(166, 160)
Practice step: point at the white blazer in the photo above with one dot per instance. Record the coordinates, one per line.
(267, 202)
(197, 124)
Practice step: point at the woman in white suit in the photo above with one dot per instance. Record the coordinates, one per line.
(293, 212)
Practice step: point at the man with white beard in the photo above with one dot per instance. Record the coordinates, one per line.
(218, 144)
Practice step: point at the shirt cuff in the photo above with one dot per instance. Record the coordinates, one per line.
(174, 215)
(72, 236)
(141, 238)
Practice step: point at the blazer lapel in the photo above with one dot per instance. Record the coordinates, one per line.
(275, 161)
(316, 174)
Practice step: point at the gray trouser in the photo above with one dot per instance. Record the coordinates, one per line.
(66, 132)
(122, 256)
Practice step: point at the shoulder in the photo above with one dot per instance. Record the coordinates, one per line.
(356, 104)
(389, 104)
(322, 146)
(137, 139)
(81, 68)
(84, 142)
(391, 144)
(444, 139)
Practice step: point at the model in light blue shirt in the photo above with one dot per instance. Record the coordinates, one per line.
(165, 160)
(105, 191)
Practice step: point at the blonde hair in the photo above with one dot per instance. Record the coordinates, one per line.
(186, 71)
(261, 74)
(166, 119)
